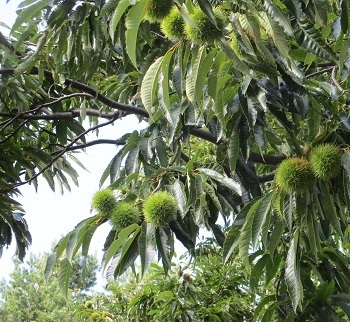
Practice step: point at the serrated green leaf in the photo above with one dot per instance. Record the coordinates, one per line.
(125, 256)
(163, 93)
(64, 273)
(165, 246)
(50, 264)
(328, 206)
(178, 191)
(258, 270)
(228, 182)
(246, 234)
(260, 217)
(233, 148)
(26, 65)
(231, 242)
(89, 233)
(149, 85)
(109, 6)
(132, 161)
(275, 237)
(321, 12)
(115, 246)
(236, 61)
(344, 20)
(207, 9)
(278, 15)
(292, 274)
(132, 23)
(146, 246)
(117, 14)
(311, 40)
(28, 13)
(276, 33)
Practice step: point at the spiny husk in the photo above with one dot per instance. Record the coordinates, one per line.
(295, 175)
(103, 201)
(326, 161)
(158, 9)
(203, 29)
(160, 209)
(124, 214)
(173, 25)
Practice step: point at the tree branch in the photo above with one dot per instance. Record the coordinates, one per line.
(334, 80)
(89, 90)
(60, 99)
(267, 177)
(319, 72)
(60, 154)
(91, 143)
(14, 132)
(129, 109)
(69, 115)
(266, 158)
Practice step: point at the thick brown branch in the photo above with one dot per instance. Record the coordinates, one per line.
(62, 115)
(266, 158)
(89, 90)
(266, 177)
(129, 109)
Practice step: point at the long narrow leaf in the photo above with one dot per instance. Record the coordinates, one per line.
(132, 23)
(149, 85)
(228, 182)
(292, 275)
(114, 247)
(146, 246)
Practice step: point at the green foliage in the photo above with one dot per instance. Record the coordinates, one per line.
(173, 25)
(160, 209)
(326, 161)
(219, 116)
(26, 296)
(158, 9)
(124, 214)
(202, 29)
(207, 291)
(104, 202)
(295, 175)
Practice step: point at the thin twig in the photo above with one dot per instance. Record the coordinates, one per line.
(336, 84)
(15, 117)
(319, 72)
(3, 101)
(63, 151)
(60, 99)
(91, 143)
(14, 132)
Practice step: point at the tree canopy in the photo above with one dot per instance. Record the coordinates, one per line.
(247, 112)
(26, 296)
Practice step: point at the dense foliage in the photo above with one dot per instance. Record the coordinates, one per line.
(247, 85)
(200, 290)
(26, 296)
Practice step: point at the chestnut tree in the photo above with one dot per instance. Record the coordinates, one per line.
(229, 89)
